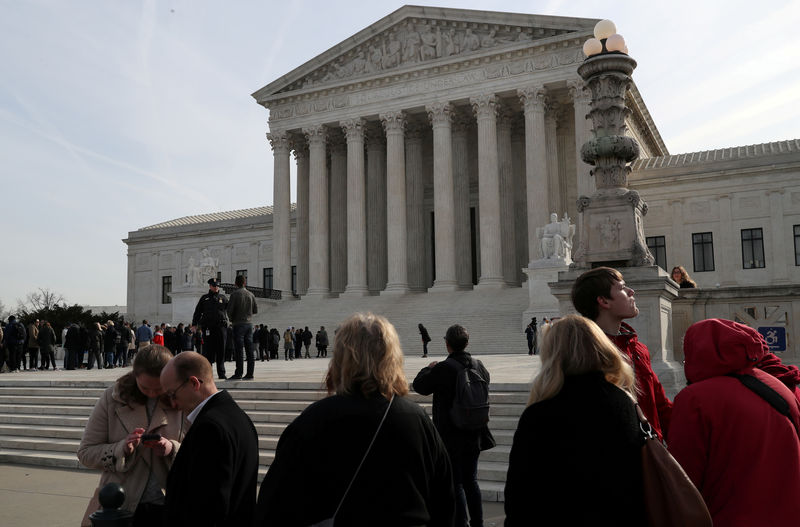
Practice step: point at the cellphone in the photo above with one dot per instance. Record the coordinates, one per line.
(151, 437)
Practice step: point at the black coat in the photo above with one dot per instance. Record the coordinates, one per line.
(406, 479)
(213, 479)
(575, 459)
(441, 382)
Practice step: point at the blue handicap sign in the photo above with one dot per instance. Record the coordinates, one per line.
(775, 336)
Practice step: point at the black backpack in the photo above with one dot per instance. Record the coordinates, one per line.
(470, 409)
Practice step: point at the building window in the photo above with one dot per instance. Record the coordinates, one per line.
(294, 279)
(752, 249)
(797, 244)
(166, 289)
(242, 272)
(219, 277)
(658, 247)
(267, 276)
(703, 251)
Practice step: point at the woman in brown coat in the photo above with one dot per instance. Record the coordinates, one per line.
(133, 406)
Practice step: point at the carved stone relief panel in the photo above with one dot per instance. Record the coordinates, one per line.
(166, 260)
(143, 261)
(414, 41)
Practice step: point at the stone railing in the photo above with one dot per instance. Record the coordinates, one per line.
(258, 292)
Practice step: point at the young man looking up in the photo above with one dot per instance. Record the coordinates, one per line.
(602, 296)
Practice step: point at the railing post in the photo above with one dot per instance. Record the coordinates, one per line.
(111, 497)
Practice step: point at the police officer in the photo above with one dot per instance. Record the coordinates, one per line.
(210, 315)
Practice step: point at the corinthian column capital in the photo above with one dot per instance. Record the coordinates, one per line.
(440, 113)
(533, 98)
(279, 141)
(393, 122)
(353, 129)
(484, 105)
(315, 134)
(578, 91)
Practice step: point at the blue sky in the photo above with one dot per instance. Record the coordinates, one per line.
(117, 114)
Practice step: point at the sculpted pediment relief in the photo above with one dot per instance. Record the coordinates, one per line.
(416, 41)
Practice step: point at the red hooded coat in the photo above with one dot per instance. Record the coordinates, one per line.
(740, 452)
(650, 394)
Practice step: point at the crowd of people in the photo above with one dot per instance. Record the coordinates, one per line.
(186, 452)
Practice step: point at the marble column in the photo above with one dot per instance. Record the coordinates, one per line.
(556, 194)
(726, 261)
(318, 235)
(440, 115)
(505, 169)
(281, 203)
(301, 154)
(536, 176)
(681, 249)
(581, 97)
(356, 209)
(376, 208)
(521, 195)
(415, 211)
(485, 108)
(462, 125)
(781, 244)
(338, 213)
(396, 230)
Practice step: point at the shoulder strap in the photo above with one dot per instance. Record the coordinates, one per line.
(380, 425)
(768, 394)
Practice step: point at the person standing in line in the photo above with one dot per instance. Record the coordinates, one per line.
(47, 342)
(241, 308)
(73, 346)
(210, 315)
(585, 389)
(131, 343)
(110, 339)
(463, 446)
(96, 348)
(423, 332)
(322, 342)
(33, 345)
(601, 295)
(532, 334)
(288, 344)
(214, 476)
(121, 346)
(298, 343)
(187, 339)
(307, 336)
(264, 337)
(14, 340)
(144, 334)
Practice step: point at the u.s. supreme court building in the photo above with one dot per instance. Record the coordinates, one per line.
(430, 148)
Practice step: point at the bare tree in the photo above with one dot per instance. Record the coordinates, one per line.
(42, 299)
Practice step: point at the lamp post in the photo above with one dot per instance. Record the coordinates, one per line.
(612, 218)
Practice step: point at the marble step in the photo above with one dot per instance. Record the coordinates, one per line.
(55, 432)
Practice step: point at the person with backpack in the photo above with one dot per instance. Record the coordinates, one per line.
(460, 388)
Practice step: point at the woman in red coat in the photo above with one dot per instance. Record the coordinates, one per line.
(741, 453)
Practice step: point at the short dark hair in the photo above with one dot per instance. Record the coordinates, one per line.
(239, 280)
(591, 285)
(457, 337)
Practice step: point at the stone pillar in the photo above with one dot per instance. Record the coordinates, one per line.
(281, 203)
(581, 97)
(338, 212)
(556, 193)
(440, 115)
(301, 153)
(318, 234)
(485, 108)
(356, 209)
(505, 169)
(521, 195)
(681, 240)
(726, 256)
(780, 254)
(415, 195)
(396, 233)
(462, 125)
(376, 208)
(536, 154)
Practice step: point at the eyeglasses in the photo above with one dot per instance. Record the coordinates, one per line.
(174, 392)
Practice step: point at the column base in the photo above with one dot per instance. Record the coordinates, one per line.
(317, 293)
(356, 291)
(446, 286)
(491, 283)
(395, 289)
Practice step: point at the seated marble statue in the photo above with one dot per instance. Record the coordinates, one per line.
(556, 238)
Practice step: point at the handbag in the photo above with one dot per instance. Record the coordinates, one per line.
(670, 497)
(328, 522)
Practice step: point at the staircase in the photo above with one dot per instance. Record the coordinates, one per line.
(42, 421)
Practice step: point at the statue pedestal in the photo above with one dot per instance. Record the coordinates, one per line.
(184, 300)
(654, 293)
(541, 302)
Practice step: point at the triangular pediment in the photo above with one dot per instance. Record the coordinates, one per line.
(418, 36)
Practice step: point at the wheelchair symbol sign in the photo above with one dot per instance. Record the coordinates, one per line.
(775, 336)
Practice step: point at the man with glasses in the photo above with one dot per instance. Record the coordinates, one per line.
(213, 478)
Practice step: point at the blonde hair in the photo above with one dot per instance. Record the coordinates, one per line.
(367, 358)
(573, 346)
